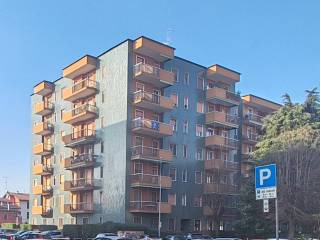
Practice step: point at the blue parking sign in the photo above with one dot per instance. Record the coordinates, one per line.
(266, 181)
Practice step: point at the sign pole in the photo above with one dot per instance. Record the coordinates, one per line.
(277, 219)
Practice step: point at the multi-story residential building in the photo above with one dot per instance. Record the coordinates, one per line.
(21, 200)
(124, 135)
(254, 110)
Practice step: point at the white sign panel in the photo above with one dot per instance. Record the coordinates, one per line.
(265, 205)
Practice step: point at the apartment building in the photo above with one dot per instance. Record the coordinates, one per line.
(136, 131)
(9, 212)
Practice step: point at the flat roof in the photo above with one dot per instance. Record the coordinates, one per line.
(264, 99)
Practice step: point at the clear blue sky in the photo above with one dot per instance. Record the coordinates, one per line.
(274, 44)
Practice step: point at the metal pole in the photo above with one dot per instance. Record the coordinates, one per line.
(277, 219)
(159, 204)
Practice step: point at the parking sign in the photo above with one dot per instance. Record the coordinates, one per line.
(266, 181)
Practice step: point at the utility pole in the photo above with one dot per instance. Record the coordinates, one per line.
(277, 219)
(159, 204)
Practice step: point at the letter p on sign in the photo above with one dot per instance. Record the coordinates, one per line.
(264, 175)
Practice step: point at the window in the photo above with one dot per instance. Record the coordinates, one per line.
(102, 147)
(137, 219)
(185, 126)
(61, 114)
(102, 97)
(197, 202)
(60, 223)
(172, 199)
(176, 74)
(184, 175)
(197, 225)
(198, 177)
(186, 78)
(200, 82)
(54, 180)
(184, 200)
(174, 98)
(138, 168)
(199, 154)
(101, 172)
(61, 178)
(185, 151)
(200, 107)
(173, 149)
(61, 92)
(173, 123)
(186, 103)
(250, 148)
(199, 130)
(140, 59)
(102, 122)
(173, 174)
(171, 224)
(100, 220)
(85, 220)
(100, 197)
(224, 179)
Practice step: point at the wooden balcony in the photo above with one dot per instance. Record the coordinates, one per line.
(42, 169)
(153, 49)
(222, 119)
(82, 137)
(43, 108)
(151, 154)
(42, 149)
(219, 73)
(220, 188)
(253, 119)
(44, 88)
(80, 90)
(81, 66)
(223, 97)
(82, 184)
(43, 211)
(152, 101)
(151, 128)
(79, 114)
(80, 161)
(42, 190)
(219, 164)
(43, 128)
(250, 138)
(150, 181)
(149, 207)
(153, 75)
(217, 141)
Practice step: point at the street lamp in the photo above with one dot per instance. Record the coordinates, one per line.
(159, 204)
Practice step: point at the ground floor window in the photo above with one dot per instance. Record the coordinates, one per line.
(171, 224)
(137, 219)
(197, 225)
(85, 220)
(154, 223)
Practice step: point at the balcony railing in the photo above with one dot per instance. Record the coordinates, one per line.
(82, 207)
(82, 184)
(220, 141)
(251, 137)
(43, 108)
(42, 149)
(43, 128)
(221, 118)
(82, 160)
(150, 153)
(151, 127)
(221, 165)
(42, 169)
(222, 96)
(83, 89)
(83, 136)
(149, 207)
(149, 180)
(152, 101)
(254, 118)
(220, 188)
(155, 75)
(80, 114)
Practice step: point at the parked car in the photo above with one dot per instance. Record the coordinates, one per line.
(4, 237)
(53, 234)
(227, 239)
(107, 236)
(194, 236)
(206, 237)
(174, 237)
(33, 235)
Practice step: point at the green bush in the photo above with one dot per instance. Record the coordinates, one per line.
(9, 226)
(72, 231)
(42, 228)
(25, 227)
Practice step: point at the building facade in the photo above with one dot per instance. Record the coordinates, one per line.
(21, 200)
(134, 131)
(9, 212)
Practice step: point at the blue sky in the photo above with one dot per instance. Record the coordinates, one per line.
(274, 44)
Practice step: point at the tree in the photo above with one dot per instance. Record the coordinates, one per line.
(291, 139)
